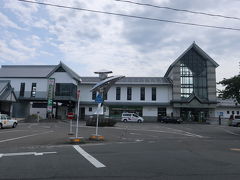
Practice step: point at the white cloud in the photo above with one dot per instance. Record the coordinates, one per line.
(6, 22)
(22, 10)
(9, 54)
(19, 45)
(127, 46)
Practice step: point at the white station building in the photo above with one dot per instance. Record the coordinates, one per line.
(187, 90)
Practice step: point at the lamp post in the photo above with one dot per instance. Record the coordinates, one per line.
(102, 87)
(77, 138)
(78, 93)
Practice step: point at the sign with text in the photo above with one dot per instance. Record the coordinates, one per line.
(51, 83)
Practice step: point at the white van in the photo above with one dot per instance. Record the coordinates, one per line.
(234, 120)
(131, 117)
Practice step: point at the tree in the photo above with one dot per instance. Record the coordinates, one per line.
(232, 88)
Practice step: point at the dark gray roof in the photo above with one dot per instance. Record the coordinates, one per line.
(39, 71)
(67, 69)
(199, 50)
(130, 80)
(34, 71)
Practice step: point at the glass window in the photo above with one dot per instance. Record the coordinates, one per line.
(232, 112)
(142, 93)
(33, 91)
(227, 112)
(66, 89)
(193, 75)
(90, 109)
(129, 93)
(118, 93)
(94, 95)
(22, 89)
(154, 95)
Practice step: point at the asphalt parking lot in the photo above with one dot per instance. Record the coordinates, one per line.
(130, 151)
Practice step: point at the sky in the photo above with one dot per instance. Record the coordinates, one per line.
(33, 34)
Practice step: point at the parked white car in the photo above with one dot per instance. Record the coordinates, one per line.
(131, 117)
(234, 120)
(6, 121)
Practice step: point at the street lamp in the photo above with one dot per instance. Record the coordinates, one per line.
(102, 87)
(77, 138)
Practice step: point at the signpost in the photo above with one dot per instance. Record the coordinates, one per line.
(70, 116)
(99, 100)
(78, 96)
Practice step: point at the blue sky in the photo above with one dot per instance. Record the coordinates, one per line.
(87, 42)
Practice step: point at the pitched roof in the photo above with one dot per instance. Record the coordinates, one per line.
(130, 80)
(67, 69)
(34, 71)
(199, 50)
(22, 71)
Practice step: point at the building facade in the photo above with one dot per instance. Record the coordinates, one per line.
(31, 86)
(193, 77)
(187, 90)
(148, 96)
(227, 107)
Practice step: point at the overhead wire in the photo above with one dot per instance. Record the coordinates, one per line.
(180, 10)
(131, 16)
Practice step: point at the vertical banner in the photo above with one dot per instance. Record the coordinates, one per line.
(51, 82)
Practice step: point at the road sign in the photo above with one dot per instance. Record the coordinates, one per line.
(70, 115)
(99, 99)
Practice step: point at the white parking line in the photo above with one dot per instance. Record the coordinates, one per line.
(26, 154)
(230, 132)
(12, 131)
(21, 137)
(90, 158)
(174, 131)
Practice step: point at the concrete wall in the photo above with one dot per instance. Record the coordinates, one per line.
(211, 81)
(225, 111)
(176, 82)
(16, 83)
(164, 93)
(42, 112)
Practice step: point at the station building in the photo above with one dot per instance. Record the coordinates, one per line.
(187, 90)
(31, 89)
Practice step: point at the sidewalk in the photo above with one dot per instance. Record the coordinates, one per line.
(224, 122)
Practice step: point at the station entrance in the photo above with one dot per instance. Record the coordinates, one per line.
(194, 114)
